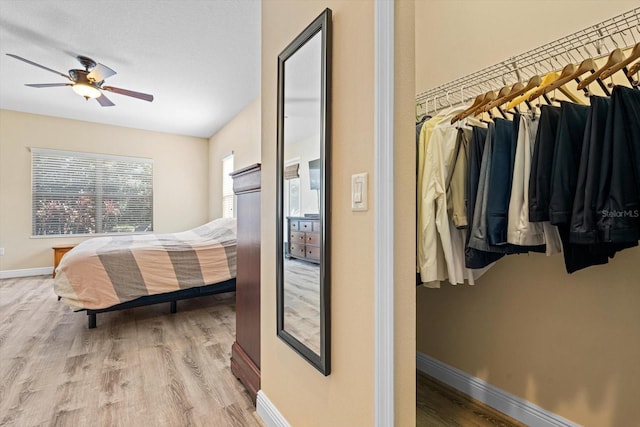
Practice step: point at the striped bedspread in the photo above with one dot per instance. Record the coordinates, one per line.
(105, 271)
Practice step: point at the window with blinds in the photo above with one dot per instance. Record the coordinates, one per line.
(291, 171)
(227, 187)
(75, 193)
(292, 189)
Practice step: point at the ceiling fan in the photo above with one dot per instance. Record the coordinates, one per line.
(87, 83)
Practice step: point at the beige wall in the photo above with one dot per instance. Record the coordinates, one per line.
(180, 172)
(457, 37)
(303, 395)
(240, 136)
(569, 343)
(404, 216)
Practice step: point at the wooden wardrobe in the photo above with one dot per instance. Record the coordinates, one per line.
(245, 351)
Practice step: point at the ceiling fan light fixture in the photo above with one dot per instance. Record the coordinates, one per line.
(87, 91)
(87, 84)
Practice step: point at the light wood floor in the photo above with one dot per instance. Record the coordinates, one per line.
(145, 367)
(439, 405)
(302, 302)
(140, 367)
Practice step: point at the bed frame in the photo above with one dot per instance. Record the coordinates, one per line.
(171, 297)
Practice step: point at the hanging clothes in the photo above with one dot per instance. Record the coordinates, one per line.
(440, 243)
(475, 258)
(456, 181)
(542, 164)
(566, 160)
(620, 212)
(584, 218)
(520, 231)
(564, 177)
(489, 227)
(583, 166)
(540, 176)
(566, 180)
(478, 239)
(437, 261)
(501, 180)
(593, 167)
(421, 228)
(456, 199)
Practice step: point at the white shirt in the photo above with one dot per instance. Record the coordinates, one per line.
(441, 253)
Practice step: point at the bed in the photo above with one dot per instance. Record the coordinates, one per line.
(117, 272)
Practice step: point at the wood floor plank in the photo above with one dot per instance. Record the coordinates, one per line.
(440, 405)
(142, 366)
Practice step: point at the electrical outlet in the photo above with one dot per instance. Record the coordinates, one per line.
(1, 251)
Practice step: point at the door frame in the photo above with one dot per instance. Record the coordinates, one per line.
(384, 378)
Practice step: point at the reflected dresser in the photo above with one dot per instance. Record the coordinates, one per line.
(304, 238)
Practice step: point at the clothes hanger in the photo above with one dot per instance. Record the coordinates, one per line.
(635, 54)
(504, 91)
(633, 69)
(590, 62)
(476, 103)
(566, 76)
(591, 66)
(449, 108)
(546, 80)
(588, 65)
(486, 98)
(461, 123)
(517, 90)
(585, 66)
(615, 57)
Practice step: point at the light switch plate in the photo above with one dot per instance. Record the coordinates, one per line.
(359, 192)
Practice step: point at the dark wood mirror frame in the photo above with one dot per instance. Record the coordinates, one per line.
(321, 361)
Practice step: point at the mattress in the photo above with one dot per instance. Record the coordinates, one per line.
(105, 271)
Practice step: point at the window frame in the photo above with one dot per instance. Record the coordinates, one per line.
(100, 160)
(227, 186)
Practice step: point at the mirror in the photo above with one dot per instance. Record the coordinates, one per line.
(303, 173)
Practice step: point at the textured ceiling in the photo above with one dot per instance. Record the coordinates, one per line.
(199, 58)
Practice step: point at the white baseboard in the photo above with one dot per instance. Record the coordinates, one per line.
(41, 271)
(515, 407)
(268, 412)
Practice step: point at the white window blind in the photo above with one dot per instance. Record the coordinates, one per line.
(86, 193)
(227, 187)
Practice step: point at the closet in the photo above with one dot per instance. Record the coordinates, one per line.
(528, 188)
(545, 163)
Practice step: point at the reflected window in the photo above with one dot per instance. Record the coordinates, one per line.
(227, 187)
(292, 188)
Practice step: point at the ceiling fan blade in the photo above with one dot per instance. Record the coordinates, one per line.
(100, 72)
(38, 65)
(104, 101)
(48, 84)
(139, 95)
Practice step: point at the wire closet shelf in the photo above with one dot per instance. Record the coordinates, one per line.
(622, 31)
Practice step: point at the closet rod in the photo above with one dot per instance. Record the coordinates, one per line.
(621, 31)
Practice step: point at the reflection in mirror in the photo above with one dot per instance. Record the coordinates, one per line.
(302, 231)
(303, 261)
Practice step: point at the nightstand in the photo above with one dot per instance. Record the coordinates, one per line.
(58, 253)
